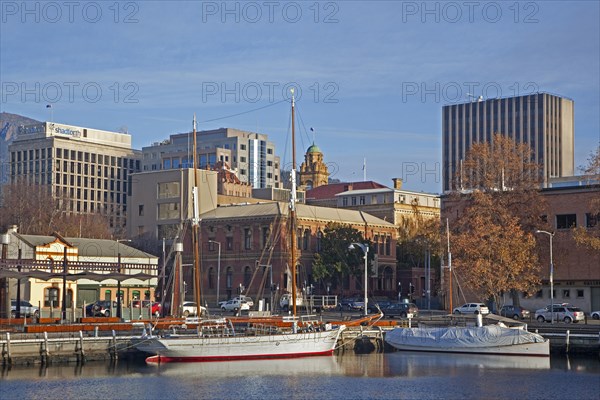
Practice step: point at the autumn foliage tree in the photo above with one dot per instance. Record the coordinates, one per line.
(497, 212)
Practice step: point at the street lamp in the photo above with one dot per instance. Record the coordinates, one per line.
(218, 268)
(119, 314)
(551, 235)
(365, 249)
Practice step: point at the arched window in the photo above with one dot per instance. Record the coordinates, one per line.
(51, 297)
(306, 239)
(229, 278)
(211, 278)
(247, 276)
(319, 238)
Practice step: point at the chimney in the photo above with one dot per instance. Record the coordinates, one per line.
(397, 183)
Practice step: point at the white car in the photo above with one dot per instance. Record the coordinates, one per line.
(596, 314)
(191, 309)
(234, 305)
(247, 300)
(562, 312)
(472, 308)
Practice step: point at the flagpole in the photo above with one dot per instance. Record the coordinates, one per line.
(364, 169)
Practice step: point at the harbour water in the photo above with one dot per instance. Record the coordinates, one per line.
(399, 375)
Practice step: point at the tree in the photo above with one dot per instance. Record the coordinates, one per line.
(492, 253)
(498, 210)
(36, 211)
(590, 236)
(334, 260)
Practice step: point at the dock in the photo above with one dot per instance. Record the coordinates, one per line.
(109, 339)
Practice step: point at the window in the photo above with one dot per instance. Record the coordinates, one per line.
(168, 189)
(107, 295)
(566, 293)
(229, 278)
(306, 239)
(265, 237)
(242, 147)
(51, 297)
(591, 220)
(362, 200)
(168, 211)
(229, 243)
(247, 276)
(566, 221)
(353, 201)
(247, 238)
(344, 201)
(579, 293)
(319, 238)
(141, 210)
(211, 278)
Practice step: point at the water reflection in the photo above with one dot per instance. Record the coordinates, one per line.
(310, 366)
(375, 365)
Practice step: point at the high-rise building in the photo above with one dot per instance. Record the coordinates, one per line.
(88, 168)
(251, 156)
(542, 120)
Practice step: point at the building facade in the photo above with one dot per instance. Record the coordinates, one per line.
(161, 201)
(576, 274)
(88, 168)
(251, 155)
(92, 269)
(248, 245)
(544, 121)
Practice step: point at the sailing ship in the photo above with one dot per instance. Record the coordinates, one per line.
(218, 340)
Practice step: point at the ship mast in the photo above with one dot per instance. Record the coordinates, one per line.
(292, 221)
(196, 227)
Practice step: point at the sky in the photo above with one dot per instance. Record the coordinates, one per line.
(371, 76)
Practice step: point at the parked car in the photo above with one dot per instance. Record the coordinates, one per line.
(515, 312)
(26, 309)
(595, 314)
(346, 303)
(401, 310)
(562, 312)
(100, 308)
(235, 305)
(472, 308)
(247, 300)
(375, 306)
(155, 306)
(191, 309)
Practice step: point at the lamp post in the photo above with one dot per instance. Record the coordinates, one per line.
(365, 249)
(119, 314)
(218, 268)
(551, 235)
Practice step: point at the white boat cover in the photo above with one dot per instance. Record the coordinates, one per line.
(461, 337)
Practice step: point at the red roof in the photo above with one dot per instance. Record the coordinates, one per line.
(329, 191)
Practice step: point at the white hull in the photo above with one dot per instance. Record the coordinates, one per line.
(476, 340)
(223, 348)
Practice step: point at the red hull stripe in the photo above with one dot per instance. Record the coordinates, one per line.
(164, 359)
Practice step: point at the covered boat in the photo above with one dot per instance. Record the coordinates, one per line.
(488, 339)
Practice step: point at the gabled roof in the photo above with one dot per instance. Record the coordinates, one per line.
(329, 191)
(87, 247)
(303, 211)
